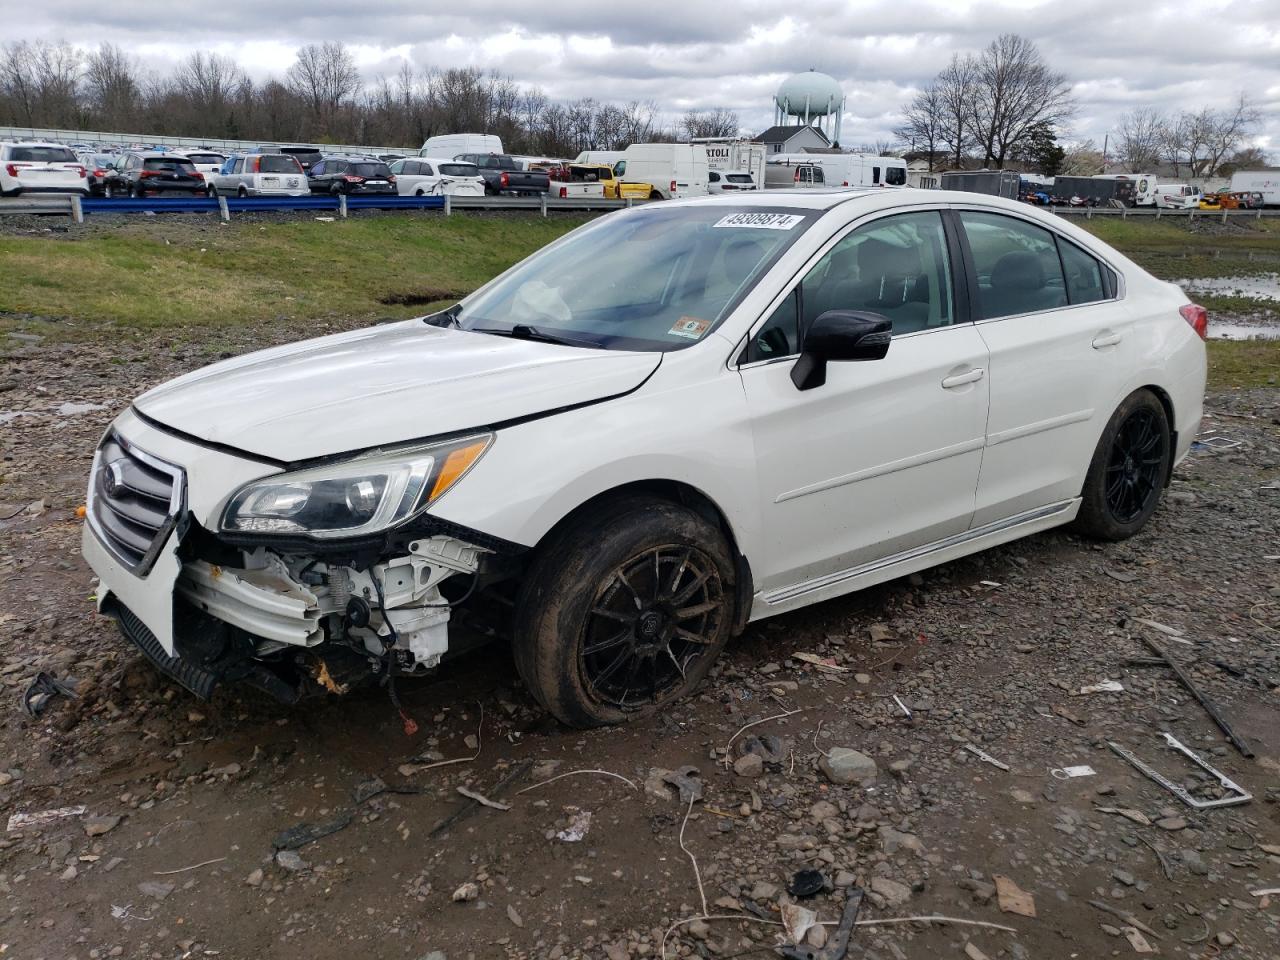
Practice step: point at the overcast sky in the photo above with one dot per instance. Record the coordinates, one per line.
(703, 53)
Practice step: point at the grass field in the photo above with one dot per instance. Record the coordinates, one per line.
(142, 278)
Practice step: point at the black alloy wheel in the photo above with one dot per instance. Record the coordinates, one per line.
(1135, 466)
(652, 618)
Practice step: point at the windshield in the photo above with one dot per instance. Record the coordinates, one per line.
(495, 162)
(277, 163)
(370, 170)
(646, 280)
(459, 169)
(895, 176)
(43, 155)
(207, 158)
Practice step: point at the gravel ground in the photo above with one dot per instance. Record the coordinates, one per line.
(174, 854)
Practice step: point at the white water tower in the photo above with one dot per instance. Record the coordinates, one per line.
(810, 98)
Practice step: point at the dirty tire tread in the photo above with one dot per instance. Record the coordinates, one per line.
(1095, 519)
(549, 624)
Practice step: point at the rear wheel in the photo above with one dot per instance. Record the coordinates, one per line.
(624, 612)
(1128, 470)
(108, 191)
(242, 193)
(655, 195)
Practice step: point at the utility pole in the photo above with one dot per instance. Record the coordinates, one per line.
(1106, 137)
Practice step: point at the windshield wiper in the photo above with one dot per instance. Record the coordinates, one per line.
(522, 331)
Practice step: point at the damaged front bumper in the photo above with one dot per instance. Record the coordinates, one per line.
(207, 612)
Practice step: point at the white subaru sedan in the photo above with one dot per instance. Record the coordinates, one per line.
(671, 422)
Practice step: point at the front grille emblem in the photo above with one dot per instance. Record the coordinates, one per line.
(113, 482)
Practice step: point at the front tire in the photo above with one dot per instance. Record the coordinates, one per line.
(624, 612)
(1128, 471)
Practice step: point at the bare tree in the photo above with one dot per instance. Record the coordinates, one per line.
(716, 122)
(955, 85)
(18, 84)
(111, 87)
(324, 75)
(1014, 92)
(1081, 159)
(1140, 136)
(923, 122)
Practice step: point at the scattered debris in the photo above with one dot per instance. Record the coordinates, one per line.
(1106, 686)
(43, 688)
(291, 861)
(156, 889)
(1123, 915)
(482, 799)
(518, 771)
(304, 833)
(824, 664)
(575, 773)
(754, 723)
(194, 866)
(806, 883)
(902, 706)
(409, 769)
(986, 757)
(1137, 816)
(1210, 707)
(123, 913)
(577, 829)
(797, 920)
(687, 781)
(1137, 940)
(466, 892)
(1012, 898)
(1235, 793)
(1173, 633)
(97, 826)
(1070, 773)
(837, 947)
(514, 916)
(1268, 892)
(22, 821)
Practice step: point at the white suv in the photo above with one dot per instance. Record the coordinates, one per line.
(791, 397)
(40, 168)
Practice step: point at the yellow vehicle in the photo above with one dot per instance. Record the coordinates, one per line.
(614, 189)
(1210, 201)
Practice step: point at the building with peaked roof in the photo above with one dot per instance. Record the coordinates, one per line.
(800, 138)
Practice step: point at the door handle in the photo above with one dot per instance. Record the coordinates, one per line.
(960, 379)
(1106, 340)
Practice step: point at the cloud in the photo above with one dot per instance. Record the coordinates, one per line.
(702, 53)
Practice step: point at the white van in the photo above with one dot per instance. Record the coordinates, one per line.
(1144, 186)
(452, 144)
(1177, 196)
(1265, 182)
(852, 169)
(789, 174)
(674, 169)
(609, 157)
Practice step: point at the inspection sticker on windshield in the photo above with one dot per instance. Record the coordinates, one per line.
(691, 328)
(760, 221)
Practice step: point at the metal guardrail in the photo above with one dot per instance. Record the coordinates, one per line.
(77, 208)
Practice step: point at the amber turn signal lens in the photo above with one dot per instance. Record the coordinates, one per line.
(455, 465)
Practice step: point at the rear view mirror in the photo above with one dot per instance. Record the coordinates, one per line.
(840, 335)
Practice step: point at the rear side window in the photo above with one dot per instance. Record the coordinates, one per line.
(1083, 274)
(1016, 263)
(895, 176)
(739, 178)
(42, 155)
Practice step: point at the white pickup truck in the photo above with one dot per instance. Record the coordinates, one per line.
(1177, 196)
(574, 181)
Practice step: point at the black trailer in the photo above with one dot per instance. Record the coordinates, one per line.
(1094, 191)
(994, 183)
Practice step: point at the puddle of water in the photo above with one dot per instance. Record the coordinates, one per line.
(1261, 287)
(1219, 330)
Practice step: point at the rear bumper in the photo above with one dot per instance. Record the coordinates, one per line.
(20, 189)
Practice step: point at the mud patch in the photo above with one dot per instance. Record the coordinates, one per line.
(421, 296)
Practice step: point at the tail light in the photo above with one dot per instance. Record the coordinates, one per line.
(81, 172)
(11, 169)
(198, 175)
(142, 174)
(99, 173)
(1198, 317)
(391, 178)
(504, 180)
(673, 186)
(796, 178)
(845, 184)
(564, 193)
(350, 179)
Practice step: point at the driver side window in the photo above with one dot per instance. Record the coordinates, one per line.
(897, 267)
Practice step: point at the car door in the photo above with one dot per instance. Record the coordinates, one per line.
(1060, 343)
(884, 457)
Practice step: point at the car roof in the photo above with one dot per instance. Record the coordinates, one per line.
(826, 198)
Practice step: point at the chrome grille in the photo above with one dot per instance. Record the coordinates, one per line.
(134, 501)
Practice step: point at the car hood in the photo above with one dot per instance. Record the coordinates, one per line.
(384, 385)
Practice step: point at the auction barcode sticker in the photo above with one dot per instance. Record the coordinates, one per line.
(760, 221)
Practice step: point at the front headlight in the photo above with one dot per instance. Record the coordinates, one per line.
(360, 496)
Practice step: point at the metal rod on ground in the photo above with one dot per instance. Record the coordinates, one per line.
(342, 205)
(543, 203)
(223, 210)
(448, 204)
(517, 772)
(77, 211)
(1210, 707)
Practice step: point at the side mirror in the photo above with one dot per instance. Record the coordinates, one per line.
(840, 335)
